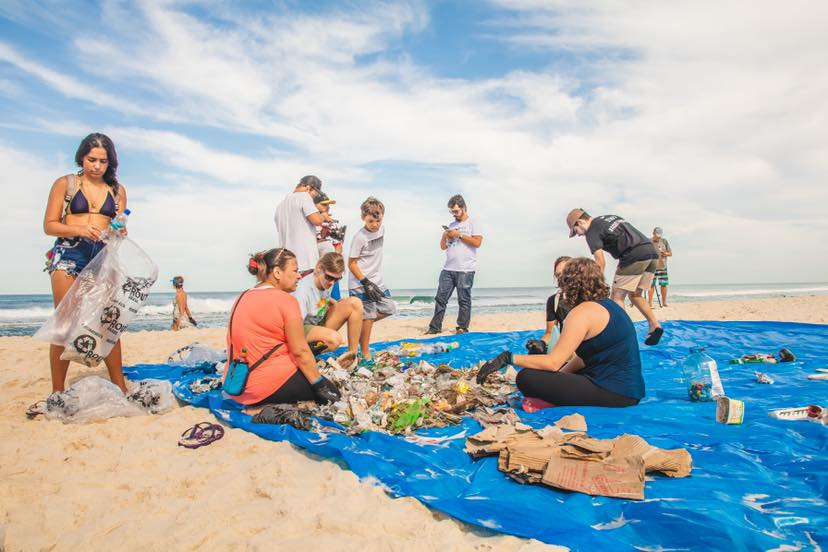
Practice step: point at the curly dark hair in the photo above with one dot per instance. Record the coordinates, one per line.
(582, 280)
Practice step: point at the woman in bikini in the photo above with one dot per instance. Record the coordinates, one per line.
(81, 206)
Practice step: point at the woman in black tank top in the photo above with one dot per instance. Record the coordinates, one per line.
(606, 371)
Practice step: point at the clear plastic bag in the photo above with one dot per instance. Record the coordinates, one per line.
(101, 303)
(197, 353)
(94, 398)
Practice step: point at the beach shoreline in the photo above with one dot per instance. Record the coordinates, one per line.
(125, 484)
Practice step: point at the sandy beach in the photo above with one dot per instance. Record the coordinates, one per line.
(125, 484)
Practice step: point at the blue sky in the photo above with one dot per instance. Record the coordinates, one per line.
(706, 118)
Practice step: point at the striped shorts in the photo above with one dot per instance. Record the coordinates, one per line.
(661, 278)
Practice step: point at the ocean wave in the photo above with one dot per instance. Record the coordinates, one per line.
(730, 292)
(28, 313)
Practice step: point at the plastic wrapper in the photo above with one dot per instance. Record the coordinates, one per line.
(197, 353)
(94, 399)
(102, 301)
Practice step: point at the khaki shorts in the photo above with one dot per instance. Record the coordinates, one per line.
(635, 276)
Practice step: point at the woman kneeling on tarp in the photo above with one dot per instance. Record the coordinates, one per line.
(606, 370)
(266, 323)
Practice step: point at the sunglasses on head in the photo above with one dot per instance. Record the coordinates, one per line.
(332, 279)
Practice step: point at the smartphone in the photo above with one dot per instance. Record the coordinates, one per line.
(445, 227)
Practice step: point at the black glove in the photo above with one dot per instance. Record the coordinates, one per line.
(192, 321)
(536, 347)
(326, 391)
(372, 290)
(494, 365)
(317, 347)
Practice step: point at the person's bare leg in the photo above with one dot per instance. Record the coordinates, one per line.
(61, 282)
(115, 366)
(619, 296)
(664, 296)
(329, 336)
(641, 304)
(347, 311)
(365, 338)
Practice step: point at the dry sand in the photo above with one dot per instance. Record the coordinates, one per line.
(124, 484)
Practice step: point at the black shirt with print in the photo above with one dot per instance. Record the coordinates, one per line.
(620, 239)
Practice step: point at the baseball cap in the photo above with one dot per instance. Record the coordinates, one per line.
(323, 199)
(573, 216)
(658, 231)
(312, 181)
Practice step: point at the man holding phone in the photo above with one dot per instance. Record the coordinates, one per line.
(460, 240)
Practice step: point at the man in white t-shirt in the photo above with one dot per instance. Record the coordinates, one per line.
(296, 220)
(460, 240)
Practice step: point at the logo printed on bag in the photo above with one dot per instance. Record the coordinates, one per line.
(110, 314)
(85, 344)
(134, 288)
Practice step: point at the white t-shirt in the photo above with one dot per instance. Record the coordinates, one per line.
(296, 232)
(367, 248)
(460, 256)
(313, 302)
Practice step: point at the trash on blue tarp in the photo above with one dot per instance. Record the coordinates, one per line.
(759, 485)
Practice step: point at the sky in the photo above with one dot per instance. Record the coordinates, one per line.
(707, 118)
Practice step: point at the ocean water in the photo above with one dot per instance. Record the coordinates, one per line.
(24, 314)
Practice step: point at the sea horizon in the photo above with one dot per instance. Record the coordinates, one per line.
(23, 314)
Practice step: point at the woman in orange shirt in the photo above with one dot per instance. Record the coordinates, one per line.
(266, 316)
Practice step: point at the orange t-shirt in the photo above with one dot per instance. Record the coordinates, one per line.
(258, 325)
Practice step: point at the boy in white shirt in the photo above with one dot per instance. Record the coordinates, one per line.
(365, 280)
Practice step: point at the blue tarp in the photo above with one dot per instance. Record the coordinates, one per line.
(760, 485)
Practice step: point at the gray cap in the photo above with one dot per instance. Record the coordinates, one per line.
(312, 181)
(658, 231)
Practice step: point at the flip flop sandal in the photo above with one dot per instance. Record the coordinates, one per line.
(200, 435)
(654, 336)
(36, 410)
(347, 359)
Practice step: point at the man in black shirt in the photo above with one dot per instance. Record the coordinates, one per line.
(636, 254)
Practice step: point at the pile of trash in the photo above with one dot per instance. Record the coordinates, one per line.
(398, 398)
(563, 456)
(93, 399)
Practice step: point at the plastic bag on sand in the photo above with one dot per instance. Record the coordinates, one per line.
(197, 353)
(101, 303)
(93, 398)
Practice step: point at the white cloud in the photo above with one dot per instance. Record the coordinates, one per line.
(707, 119)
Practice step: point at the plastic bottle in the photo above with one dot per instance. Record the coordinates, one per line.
(408, 349)
(120, 220)
(701, 375)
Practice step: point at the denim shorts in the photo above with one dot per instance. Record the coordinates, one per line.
(71, 255)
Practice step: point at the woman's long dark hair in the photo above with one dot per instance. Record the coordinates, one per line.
(582, 280)
(98, 140)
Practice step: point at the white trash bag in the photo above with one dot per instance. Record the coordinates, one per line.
(101, 303)
(94, 399)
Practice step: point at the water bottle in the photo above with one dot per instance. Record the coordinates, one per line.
(701, 375)
(120, 221)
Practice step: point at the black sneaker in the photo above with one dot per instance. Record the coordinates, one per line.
(432, 331)
(461, 330)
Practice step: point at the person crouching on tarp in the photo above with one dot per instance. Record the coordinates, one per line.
(267, 319)
(606, 370)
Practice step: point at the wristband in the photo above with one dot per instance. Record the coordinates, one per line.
(317, 380)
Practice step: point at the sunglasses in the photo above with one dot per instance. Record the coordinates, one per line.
(331, 279)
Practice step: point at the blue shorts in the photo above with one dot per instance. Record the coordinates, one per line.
(71, 255)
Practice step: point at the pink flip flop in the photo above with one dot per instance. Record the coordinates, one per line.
(531, 404)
